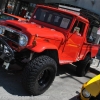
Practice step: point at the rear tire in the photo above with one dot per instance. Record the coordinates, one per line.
(39, 74)
(83, 66)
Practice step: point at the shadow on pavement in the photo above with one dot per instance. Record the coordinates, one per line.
(74, 98)
(12, 83)
(70, 69)
(92, 70)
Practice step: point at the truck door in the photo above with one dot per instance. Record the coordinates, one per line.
(75, 40)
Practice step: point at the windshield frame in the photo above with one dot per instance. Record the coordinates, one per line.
(62, 14)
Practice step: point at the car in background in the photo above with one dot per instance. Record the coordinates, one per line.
(6, 16)
(91, 89)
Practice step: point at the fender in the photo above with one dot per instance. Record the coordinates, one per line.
(93, 85)
(40, 47)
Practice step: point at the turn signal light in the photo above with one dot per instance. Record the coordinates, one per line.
(34, 41)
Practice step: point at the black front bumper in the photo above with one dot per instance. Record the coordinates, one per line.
(6, 53)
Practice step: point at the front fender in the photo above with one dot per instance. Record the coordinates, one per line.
(93, 85)
(40, 47)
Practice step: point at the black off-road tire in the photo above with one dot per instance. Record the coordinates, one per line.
(39, 74)
(83, 66)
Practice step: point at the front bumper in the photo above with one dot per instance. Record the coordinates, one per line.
(6, 53)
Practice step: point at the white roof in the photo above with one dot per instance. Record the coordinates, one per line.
(92, 5)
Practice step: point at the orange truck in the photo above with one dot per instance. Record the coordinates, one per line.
(52, 37)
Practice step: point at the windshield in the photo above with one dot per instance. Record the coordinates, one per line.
(7, 17)
(53, 17)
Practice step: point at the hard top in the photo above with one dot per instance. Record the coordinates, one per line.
(64, 11)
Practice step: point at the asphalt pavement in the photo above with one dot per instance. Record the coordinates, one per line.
(66, 85)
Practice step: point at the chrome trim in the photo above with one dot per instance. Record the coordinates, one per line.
(15, 32)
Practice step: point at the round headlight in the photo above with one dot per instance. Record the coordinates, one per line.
(23, 40)
(86, 94)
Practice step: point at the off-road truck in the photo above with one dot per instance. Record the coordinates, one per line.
(52, 37)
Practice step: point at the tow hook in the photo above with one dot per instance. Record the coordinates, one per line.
(6, 65)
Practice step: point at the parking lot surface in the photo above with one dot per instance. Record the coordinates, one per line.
(66, 85)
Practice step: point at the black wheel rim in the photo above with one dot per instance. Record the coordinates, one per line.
(44, 78)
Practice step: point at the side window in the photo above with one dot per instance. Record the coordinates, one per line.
(57, 20)
(78, 27)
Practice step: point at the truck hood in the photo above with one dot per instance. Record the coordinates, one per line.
(33, 29)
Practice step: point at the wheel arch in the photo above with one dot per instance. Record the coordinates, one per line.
(53, 53)
(88, 54)
(83, 65)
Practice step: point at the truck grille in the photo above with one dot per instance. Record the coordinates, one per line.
(11, 36)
